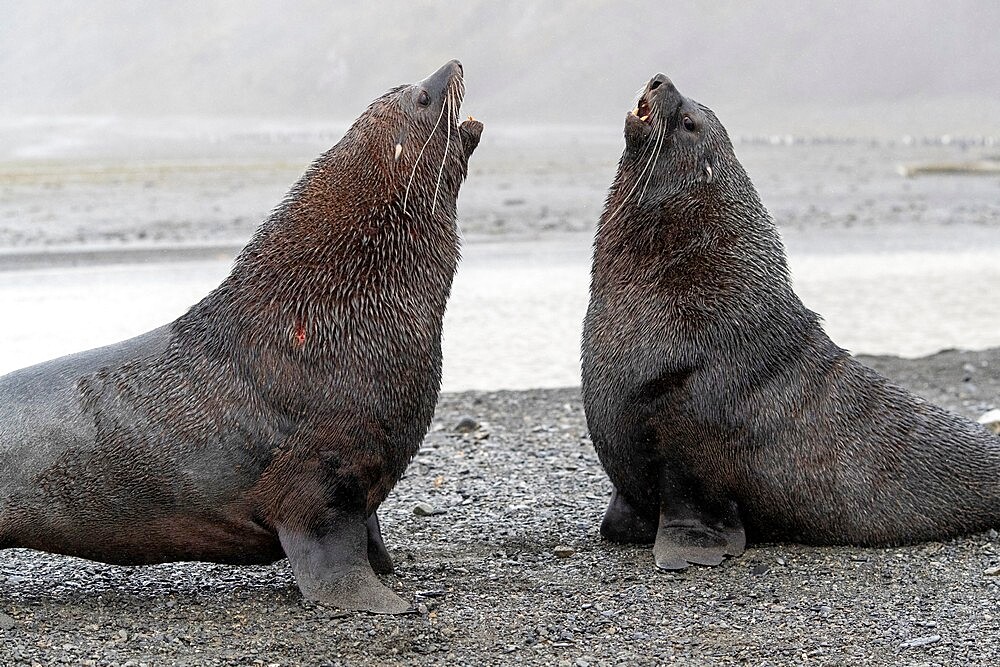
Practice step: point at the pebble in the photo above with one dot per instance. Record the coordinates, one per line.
(426, 509)
(992, 571)
(563, 551)
(920, 641)
(6, 622)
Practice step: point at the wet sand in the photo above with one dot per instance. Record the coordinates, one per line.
(514, 320)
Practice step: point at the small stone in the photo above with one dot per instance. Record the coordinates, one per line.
(992, 571)
(466, 424)
(6, 622)
(920, 641)
(562, 551)
(760, 569)
(426, 509)
(991, 420)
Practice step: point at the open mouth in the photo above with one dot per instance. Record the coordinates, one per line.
(642, 110)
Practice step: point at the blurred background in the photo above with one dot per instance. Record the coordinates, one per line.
(782, 66)
(142, 142)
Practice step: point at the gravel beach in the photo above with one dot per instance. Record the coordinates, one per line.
(508, 568)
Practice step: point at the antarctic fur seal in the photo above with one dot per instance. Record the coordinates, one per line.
(719, 408)
(273, 417)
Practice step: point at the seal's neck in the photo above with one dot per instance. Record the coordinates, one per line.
(700, 238)
(338, 263)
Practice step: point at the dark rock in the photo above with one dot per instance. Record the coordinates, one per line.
(466, 424)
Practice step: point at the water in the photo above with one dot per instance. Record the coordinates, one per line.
(515, 317)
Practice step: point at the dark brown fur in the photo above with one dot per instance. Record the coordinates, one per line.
(714, 398)
(273, 418)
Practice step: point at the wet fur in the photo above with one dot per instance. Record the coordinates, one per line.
(706, 382)
(289, 398)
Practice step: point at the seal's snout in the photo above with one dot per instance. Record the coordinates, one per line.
(659, 80)
(657, 87)
(437, 83)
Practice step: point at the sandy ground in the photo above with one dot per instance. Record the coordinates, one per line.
(489, 586)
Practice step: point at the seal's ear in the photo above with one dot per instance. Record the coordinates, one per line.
(707, 171)
(399, 149)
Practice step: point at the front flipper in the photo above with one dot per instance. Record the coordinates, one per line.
(378, 555)
(332, 567)
(695, 530)
(625, 524)
(470, 131)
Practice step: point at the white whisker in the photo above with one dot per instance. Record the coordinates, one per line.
(656, 157)
(416, 162)
(655, 146)
(447, 144)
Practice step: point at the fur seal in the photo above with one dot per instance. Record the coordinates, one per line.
(274, 417)
(719, 408)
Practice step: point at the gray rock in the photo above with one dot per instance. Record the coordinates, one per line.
(920, 641)
(6, 622)
(426, 509)
(466, 424)
(563, 551)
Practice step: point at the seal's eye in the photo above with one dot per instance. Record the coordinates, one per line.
(689, 124)
(424, 99)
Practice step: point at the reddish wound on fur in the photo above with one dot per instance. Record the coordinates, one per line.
(300, 334)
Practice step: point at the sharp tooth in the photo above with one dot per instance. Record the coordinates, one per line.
(635, 112)
(644, 118)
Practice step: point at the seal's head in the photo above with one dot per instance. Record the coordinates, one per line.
(677, 156)
(413, 137)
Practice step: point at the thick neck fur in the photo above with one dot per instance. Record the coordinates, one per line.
(340, 278)
(711, 236)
